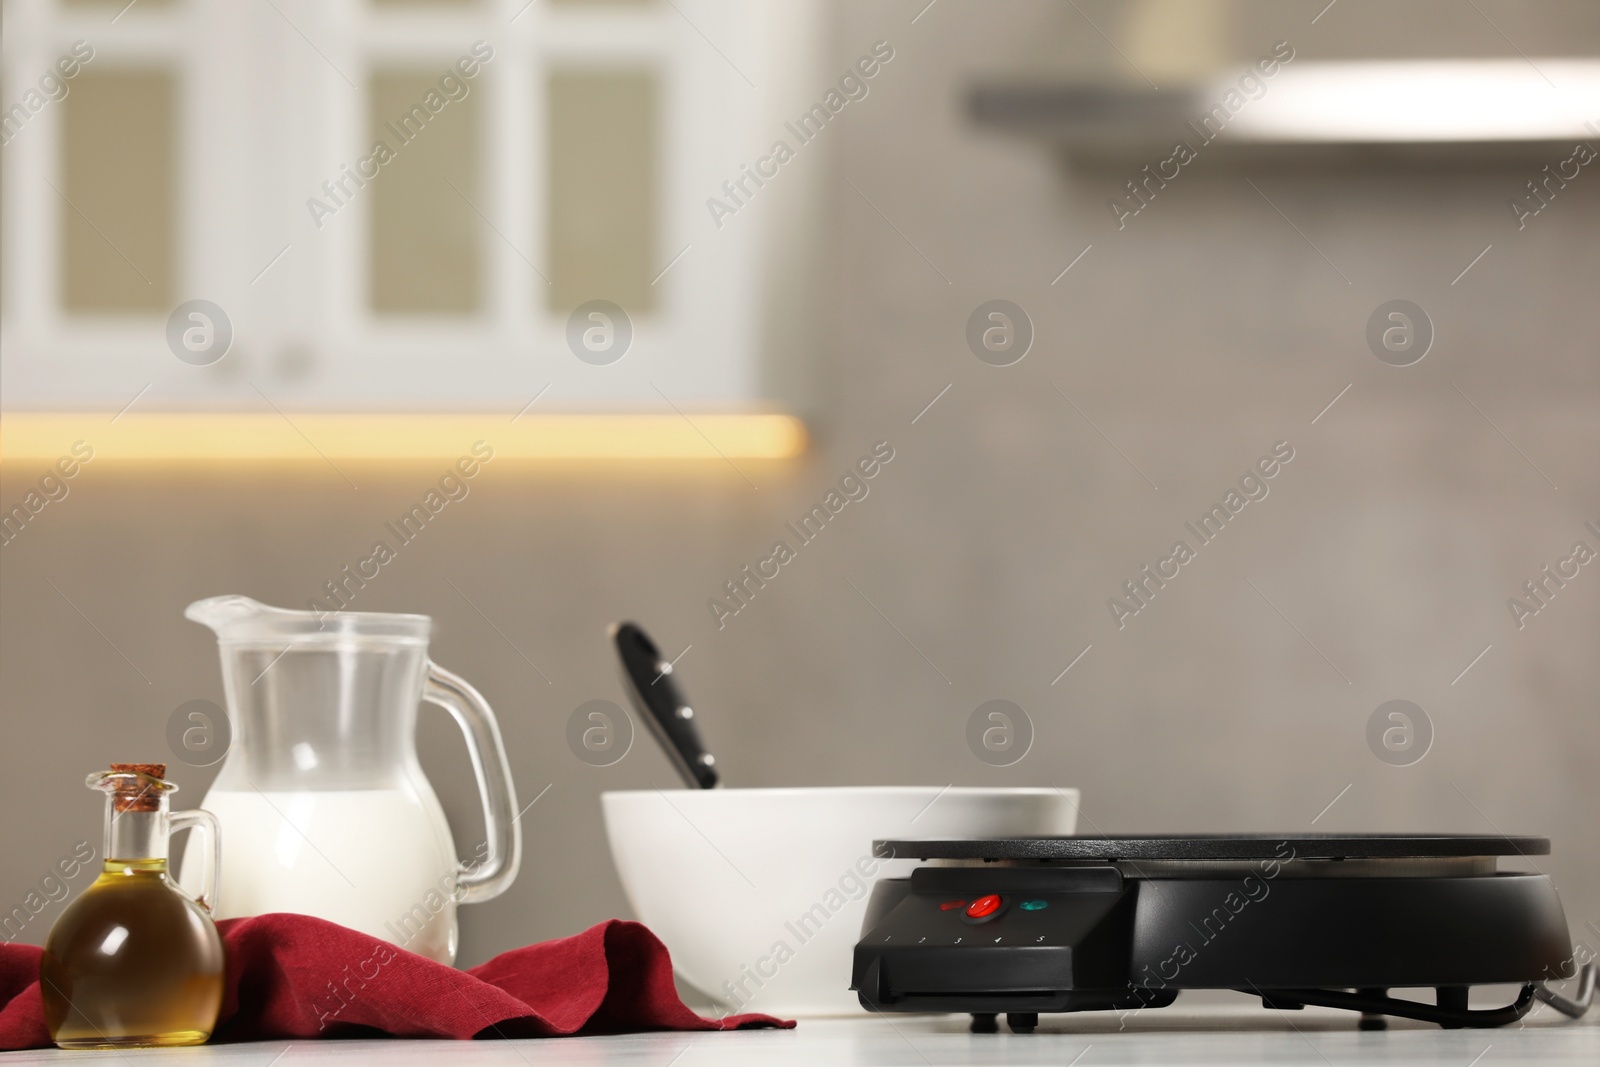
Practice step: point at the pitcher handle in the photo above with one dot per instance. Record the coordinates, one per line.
(477, 882)
(210, 854)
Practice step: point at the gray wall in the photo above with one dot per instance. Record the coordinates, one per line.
(1378, 567)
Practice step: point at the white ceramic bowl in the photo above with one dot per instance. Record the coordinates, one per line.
(759, 893)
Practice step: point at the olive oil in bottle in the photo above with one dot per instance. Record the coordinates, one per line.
(133, 962)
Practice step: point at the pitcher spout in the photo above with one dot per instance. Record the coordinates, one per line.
(221, 612)
(239, 619)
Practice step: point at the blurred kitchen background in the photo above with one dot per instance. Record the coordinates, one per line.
(1168, 355)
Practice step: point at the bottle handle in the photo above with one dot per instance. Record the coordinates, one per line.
(485, 880)
(205, 822)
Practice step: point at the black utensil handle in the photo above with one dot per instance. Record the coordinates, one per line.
(655, 695)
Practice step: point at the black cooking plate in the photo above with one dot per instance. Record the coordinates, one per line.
(1216, 847)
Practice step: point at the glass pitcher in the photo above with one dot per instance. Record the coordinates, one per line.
(323, 803)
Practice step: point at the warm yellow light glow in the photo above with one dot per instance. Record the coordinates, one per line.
(230, 436)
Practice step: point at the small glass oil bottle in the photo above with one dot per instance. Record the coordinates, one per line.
(133, 962)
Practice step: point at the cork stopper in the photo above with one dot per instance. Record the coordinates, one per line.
(134, 795)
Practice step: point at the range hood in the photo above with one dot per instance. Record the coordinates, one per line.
(1497, 105)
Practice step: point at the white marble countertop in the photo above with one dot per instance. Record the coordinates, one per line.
(1204, 1035)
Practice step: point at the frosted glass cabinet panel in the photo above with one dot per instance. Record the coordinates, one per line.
(602, 205)
(423, 243)
(117, 193)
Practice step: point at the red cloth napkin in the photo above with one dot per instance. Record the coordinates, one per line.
(292, 976)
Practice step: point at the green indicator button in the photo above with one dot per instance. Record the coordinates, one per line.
(1034, 905)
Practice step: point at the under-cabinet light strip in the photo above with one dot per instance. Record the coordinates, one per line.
(213, 437)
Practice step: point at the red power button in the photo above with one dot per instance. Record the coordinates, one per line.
(984, 907)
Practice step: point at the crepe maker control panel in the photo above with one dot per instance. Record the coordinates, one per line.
(1043, 940)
